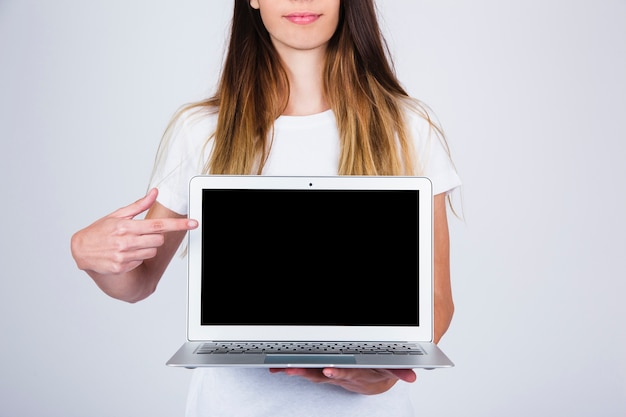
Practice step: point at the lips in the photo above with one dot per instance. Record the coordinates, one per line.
(302, 18)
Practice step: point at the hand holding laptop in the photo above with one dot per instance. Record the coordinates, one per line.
(360, 381)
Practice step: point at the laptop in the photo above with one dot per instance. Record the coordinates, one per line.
(310, 272)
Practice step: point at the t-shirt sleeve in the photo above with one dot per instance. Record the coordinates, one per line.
(434, 156)
(181, 156)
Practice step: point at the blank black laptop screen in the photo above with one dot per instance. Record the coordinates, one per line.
(310, 257)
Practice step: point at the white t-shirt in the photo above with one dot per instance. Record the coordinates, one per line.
(303, 145)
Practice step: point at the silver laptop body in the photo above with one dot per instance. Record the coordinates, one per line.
(310, 272)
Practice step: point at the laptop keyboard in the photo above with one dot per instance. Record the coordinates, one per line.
(314, 348)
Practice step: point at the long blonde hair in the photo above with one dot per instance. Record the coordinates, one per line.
(370, 106)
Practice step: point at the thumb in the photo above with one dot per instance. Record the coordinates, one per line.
(138, 207)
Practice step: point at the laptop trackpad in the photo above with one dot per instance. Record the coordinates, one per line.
(310, 359)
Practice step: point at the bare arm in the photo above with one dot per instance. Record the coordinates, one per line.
(126, 257)
(444, 305)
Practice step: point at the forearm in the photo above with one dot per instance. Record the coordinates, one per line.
(132, 286)
(443, 301)
(444, 311)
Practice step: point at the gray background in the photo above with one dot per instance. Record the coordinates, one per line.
(531, 93)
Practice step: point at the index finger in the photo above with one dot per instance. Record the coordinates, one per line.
(168, 225)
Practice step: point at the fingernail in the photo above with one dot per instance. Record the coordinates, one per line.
(328, 373)
(193, 223)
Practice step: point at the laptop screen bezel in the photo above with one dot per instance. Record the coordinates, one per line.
(198, 332)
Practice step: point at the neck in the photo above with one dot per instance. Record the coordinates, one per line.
(305, 72)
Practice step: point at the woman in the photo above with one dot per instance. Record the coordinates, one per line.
(307, 88)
